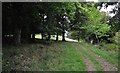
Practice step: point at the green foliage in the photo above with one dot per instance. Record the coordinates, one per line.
(85, 19)
(88, 20)
(74, 35)
(111, 46)
(108, 46)
(94, 24)
(115, 39)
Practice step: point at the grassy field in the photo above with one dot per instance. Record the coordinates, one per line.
(52, 56)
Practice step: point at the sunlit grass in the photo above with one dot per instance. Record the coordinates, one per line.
(53, 37)
(38, 36)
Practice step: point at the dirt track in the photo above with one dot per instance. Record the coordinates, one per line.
(89, 65)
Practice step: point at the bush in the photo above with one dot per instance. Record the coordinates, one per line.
(116, 39)
(73, 35)
(110, 47)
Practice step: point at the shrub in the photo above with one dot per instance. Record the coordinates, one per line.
(116, 38)
(110, 46)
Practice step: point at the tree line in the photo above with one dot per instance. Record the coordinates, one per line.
(21, 21)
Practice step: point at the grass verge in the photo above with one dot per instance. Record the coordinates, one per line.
(110, 56)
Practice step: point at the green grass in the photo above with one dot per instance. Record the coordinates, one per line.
(42, 57)
(85, 52)
(72, 60)
(110, 56)
(53, 56)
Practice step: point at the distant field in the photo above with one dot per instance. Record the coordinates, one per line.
(53, 37)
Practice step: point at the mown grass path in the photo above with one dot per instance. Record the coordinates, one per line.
(95, 66)
(100, 62)
(88, 63)
(108, 59)
(106, 65)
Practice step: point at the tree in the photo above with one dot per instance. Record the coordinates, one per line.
(115, 20)
(89, 22)
(96, 25)
(20, 17)
(63, 13)
(79, 20)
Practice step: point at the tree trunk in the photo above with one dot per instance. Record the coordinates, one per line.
(97, 39)
(33, 36)
(78, 39)
(42, 35)
(79, 35)
(91, 41)
(63, 36)
(49, 36)
(17, 36)
(57, 37)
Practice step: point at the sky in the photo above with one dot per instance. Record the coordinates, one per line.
(107, 10)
